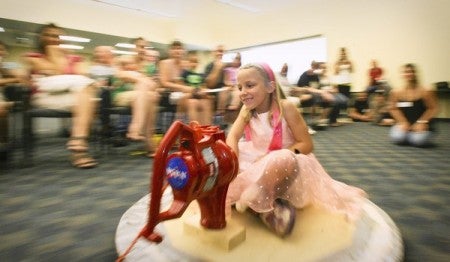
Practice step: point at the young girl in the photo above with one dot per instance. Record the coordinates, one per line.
(278, 172)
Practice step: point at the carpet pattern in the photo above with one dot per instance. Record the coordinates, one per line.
(54, 212)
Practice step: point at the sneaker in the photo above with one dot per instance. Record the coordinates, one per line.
(311, 131)
(281, 219)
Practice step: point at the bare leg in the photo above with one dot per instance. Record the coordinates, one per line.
(222, 100)
(192, 110)
(153, 98)
(207, 111)
(235, 100)
(139, 110)
(83, 112)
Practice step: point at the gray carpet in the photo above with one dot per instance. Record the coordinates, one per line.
(53, 212)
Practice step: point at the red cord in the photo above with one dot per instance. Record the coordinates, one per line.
(122, 257)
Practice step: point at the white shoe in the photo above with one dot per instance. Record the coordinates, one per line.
(311, 131)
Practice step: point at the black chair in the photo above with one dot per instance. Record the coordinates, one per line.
(166, 113)
(108, 133)
(12, 94)
(29, 114)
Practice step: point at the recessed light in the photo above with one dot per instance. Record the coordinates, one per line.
(123, 52)
(126, 45)
(74, 39)
(71, 46)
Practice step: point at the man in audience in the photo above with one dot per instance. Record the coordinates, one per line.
(215, 77)
(310, 94)
(359, 110)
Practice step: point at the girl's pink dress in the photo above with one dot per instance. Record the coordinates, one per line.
(267, 175)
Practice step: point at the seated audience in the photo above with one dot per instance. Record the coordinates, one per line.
(359, 110)
(151, 68)
(375, 76)
(171, 70)
(8, 76)
(379, 104)
(287, 90)
(413, 107)
(330, 91)
(215, 78)
(199, 104)
(309, 91)
(58, 82)
(132, 88)
(229, 99)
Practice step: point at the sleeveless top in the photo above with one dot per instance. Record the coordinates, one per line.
(413, 110)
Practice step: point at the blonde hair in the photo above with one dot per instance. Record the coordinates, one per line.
(268, 76)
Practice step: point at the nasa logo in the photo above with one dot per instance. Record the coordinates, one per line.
(177, 173)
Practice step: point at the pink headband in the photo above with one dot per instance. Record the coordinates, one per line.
(268, 71)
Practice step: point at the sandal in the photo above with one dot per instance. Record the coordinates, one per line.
(83, 160)
(77, 144)
(135, 137)
(281, 219)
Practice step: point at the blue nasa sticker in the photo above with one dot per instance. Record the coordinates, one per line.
(177, 173)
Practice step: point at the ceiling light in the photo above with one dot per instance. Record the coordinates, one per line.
(71, 46)
(126, 45)
(123, 52)
(74, 38)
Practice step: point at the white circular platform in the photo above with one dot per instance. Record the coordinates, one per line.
(318, 236)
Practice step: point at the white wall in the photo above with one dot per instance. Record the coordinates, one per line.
(394, 32)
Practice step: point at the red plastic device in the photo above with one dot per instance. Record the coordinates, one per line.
(201, 170)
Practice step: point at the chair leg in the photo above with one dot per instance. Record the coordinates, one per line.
(27, 136)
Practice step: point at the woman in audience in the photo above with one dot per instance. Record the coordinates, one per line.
(413, 107)
(58, 82)
(278, 172)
